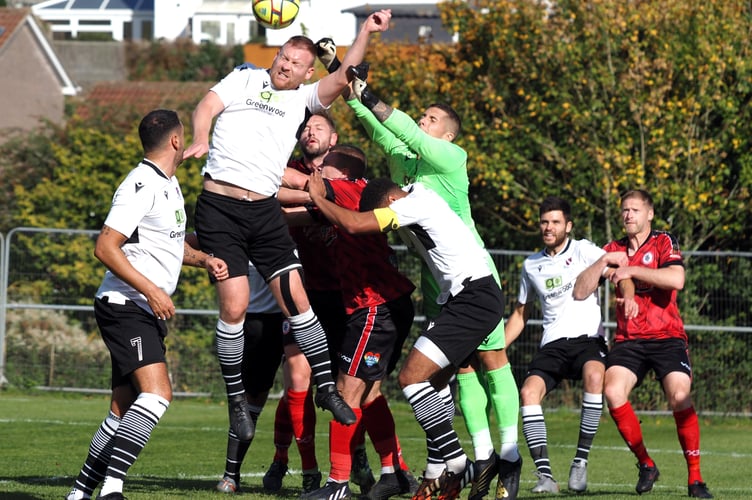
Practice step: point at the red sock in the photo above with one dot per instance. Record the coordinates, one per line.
(303, 418)
(282, 431)
(688, 429)
(359, 438)
(341, 446)
(629, 428)
(379, 422)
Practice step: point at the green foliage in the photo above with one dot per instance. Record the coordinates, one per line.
(25, 158)
(587, 100)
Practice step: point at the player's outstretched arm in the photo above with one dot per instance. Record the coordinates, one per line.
(209, 107)
(360, 90)
(589, 279)
(332, 85)
(347, 220)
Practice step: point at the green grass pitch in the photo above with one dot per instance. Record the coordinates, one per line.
(44, 439)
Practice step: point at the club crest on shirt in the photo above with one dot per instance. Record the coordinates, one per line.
(647, 258)
(371, 358)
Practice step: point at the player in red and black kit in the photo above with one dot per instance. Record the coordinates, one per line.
(380, 314)
(295, 415)
(654, 339)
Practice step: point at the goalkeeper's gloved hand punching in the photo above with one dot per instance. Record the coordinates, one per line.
(359, 75)
(326, 51)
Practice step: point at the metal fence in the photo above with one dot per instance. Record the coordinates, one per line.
(48, 336)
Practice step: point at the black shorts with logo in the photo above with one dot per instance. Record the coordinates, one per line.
(640, 356)
(375, 335)
(134, 337)
(565, 359)
(466, 320)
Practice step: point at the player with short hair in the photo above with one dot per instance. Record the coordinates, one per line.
(142, 246)
(573, 345)
(295, 416)
(654, 340)
(471, 303)
(238, 215)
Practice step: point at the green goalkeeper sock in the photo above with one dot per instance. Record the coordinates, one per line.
(505, 399)
(474, 406)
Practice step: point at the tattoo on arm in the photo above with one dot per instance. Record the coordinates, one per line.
(382, 111)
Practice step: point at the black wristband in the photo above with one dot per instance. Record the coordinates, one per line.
(368, 98)
(334, 66)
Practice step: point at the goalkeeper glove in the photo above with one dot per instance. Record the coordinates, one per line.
(359, 75)
(326, 51)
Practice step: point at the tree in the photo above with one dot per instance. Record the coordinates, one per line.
(599, 97)
(74, 190)
(587, 100)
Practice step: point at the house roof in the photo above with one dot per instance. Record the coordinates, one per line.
(118, 102)
(107, 5)
(11, 21)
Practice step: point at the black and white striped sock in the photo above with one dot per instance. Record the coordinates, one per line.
(311, 338)
(534, 429)
(229, 341)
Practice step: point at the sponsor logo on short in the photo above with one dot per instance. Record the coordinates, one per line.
(372, 358)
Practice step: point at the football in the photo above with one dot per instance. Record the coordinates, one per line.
(275, 14)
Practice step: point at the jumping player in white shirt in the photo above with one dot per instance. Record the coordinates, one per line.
(238, 216)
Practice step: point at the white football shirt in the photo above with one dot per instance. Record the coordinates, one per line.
(254, 135)
(552, 279)
(149, 209)
(441, 238)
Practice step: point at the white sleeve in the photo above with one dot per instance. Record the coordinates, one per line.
(129, 207)
(590, 252)
(231, 85)
(524, 287)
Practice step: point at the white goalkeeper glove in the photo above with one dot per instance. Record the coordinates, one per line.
(359, 76)
(326, 51)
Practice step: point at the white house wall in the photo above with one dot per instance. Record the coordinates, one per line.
(172, 18)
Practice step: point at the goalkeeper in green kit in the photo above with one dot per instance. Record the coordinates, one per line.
(424, 152)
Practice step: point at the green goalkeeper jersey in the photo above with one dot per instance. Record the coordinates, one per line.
(415, 156)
